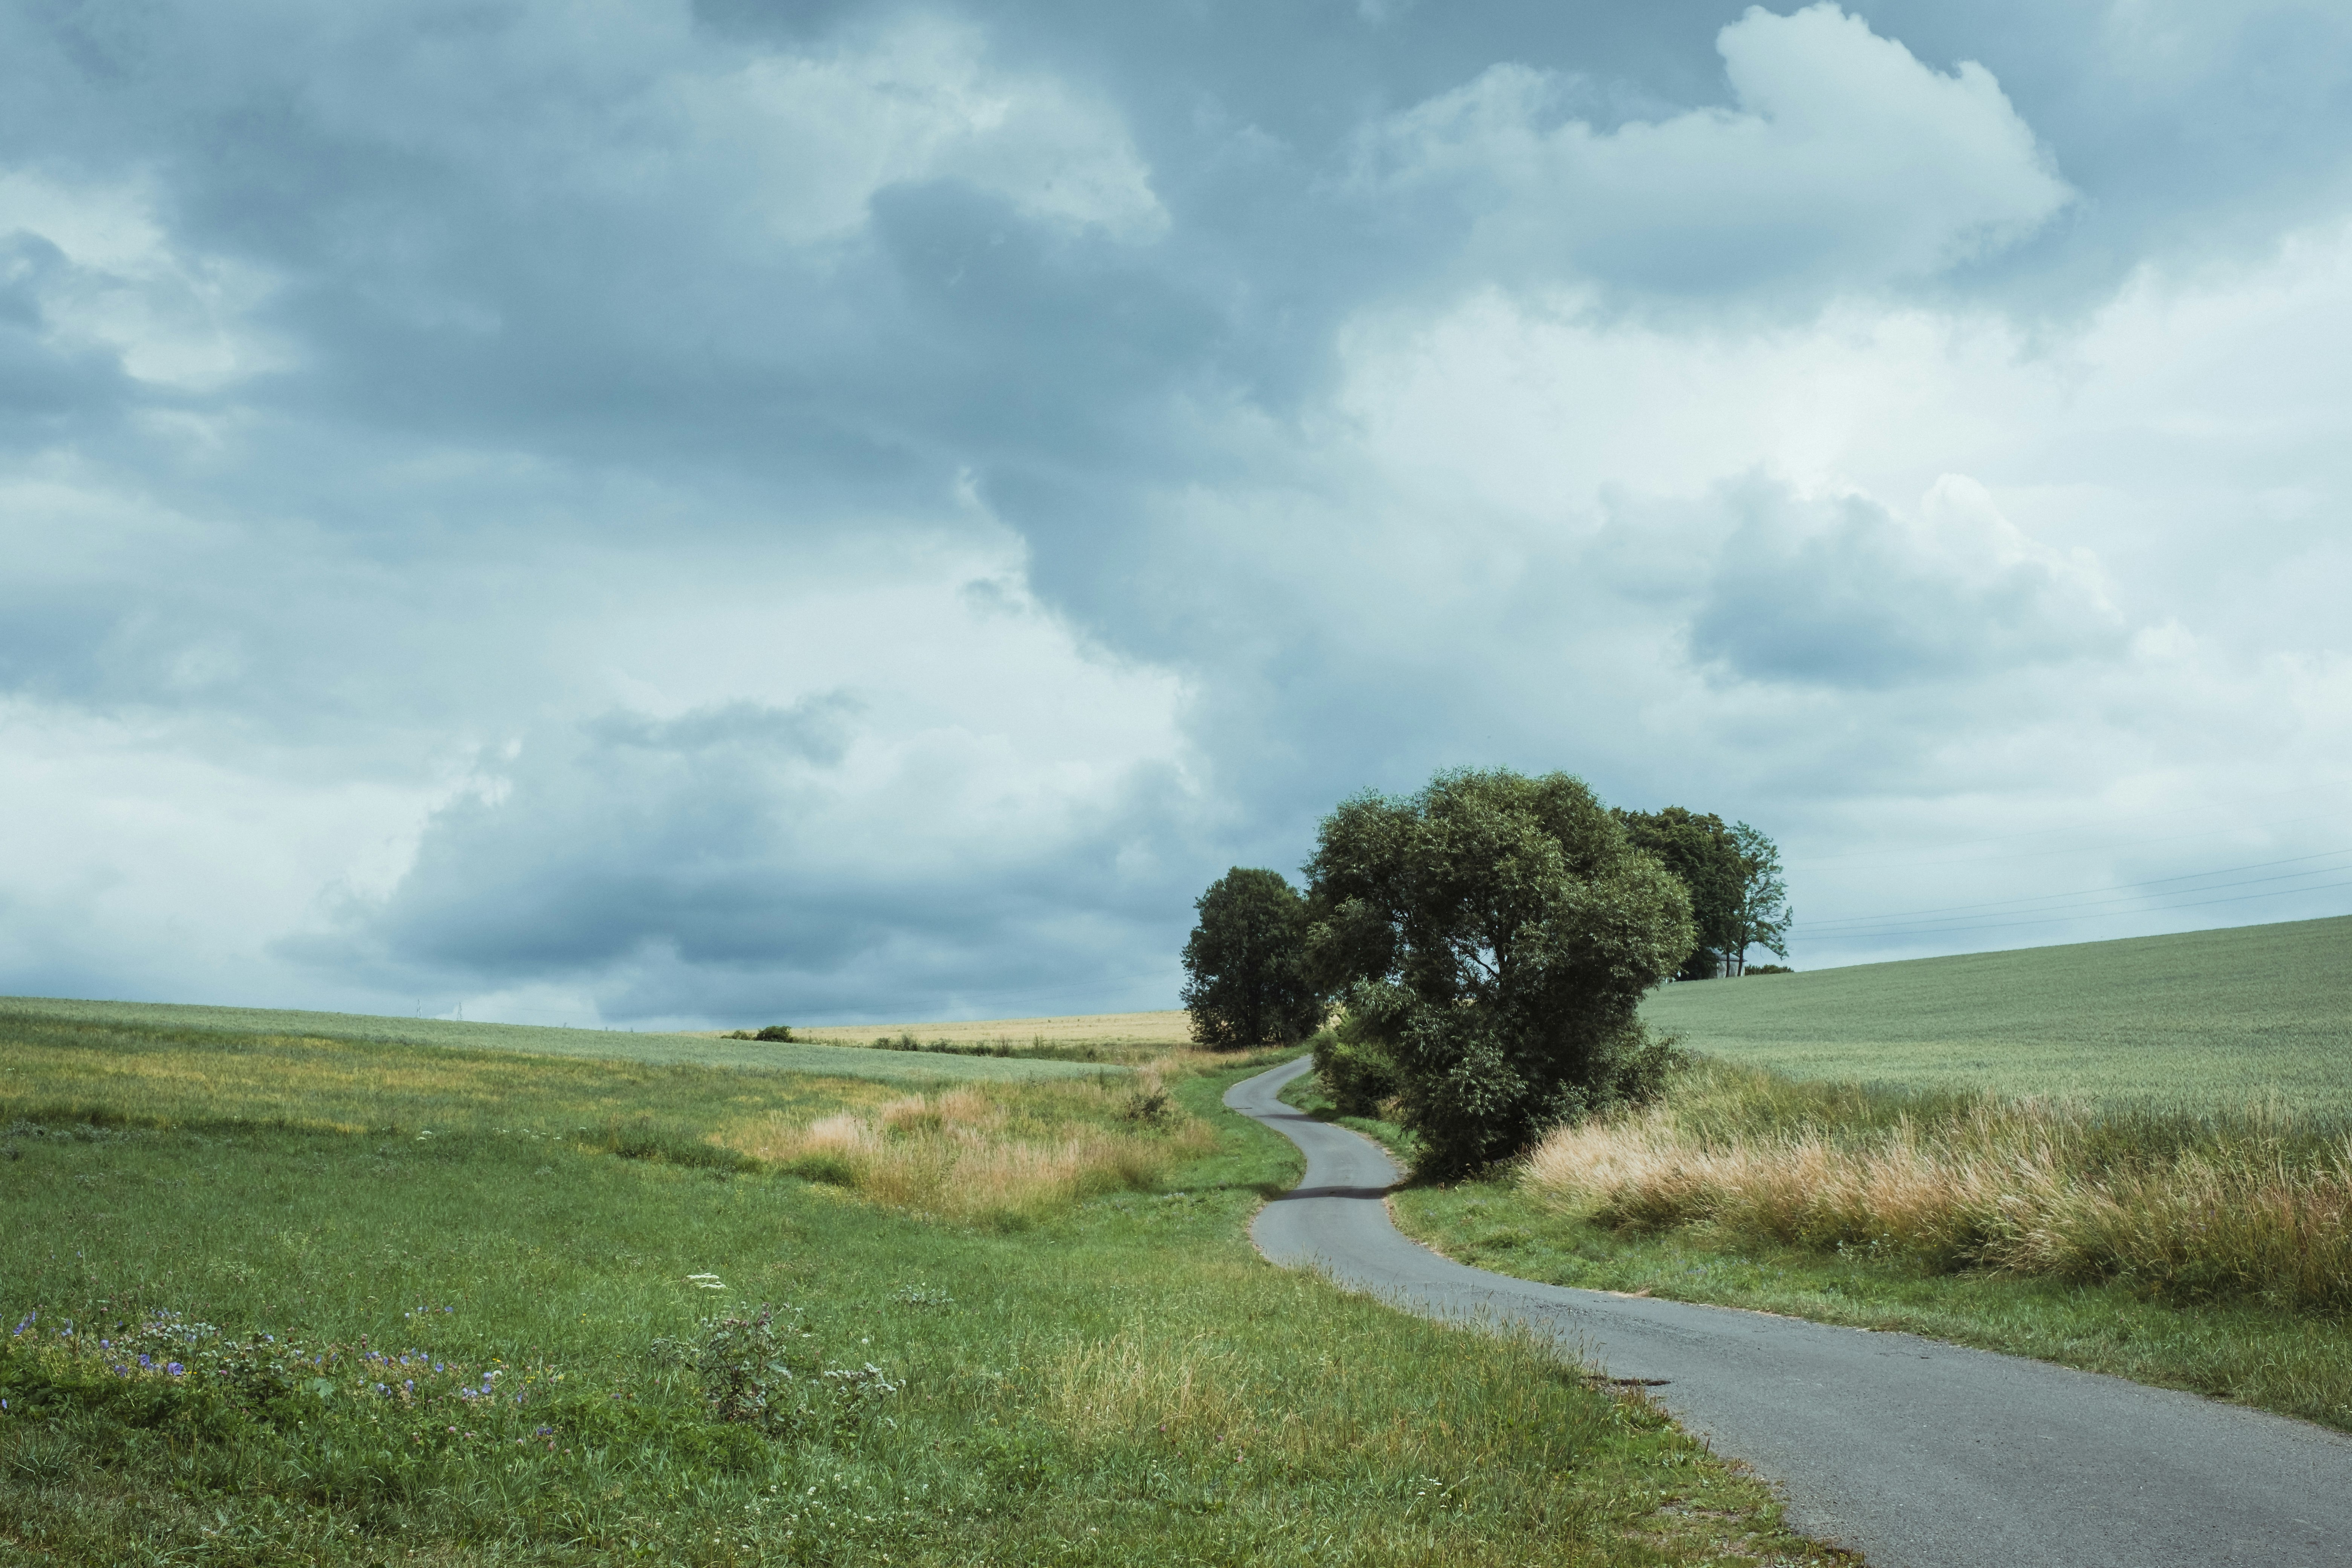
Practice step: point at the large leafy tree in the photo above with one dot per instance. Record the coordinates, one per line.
(1495, 934)
(1704, 856)
(1244, 985)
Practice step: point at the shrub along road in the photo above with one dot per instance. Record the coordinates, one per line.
(1915, 1453)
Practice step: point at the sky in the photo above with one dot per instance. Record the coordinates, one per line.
(686, 515)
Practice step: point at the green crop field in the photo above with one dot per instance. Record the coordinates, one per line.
(2196, 1020)
(160, 1019)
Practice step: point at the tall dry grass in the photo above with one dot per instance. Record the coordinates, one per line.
(993, 1154)
(2252, 1204)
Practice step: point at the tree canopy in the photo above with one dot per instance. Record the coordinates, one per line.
(1738, 899)
(1702, 854)
(1244, 985)
(1495, 935)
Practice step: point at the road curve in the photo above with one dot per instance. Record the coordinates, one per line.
(1915, 1453)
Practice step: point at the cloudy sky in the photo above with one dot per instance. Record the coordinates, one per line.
(662, 512)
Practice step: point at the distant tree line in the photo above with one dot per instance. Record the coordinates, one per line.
(1471, 958)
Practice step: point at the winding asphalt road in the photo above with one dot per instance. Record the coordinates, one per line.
(1915, 1453)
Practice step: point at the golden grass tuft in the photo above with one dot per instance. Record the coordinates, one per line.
(2034, 1187)
(1115, 1388)
(983, 1153)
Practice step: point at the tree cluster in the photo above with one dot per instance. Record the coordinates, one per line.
(1739, 897)
(1245, 981)
(1488, 942)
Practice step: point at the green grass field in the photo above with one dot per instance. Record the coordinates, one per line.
(406, 1303)
(605, 1045)
(2195, 1020)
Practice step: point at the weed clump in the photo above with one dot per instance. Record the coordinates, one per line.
(762, 1374)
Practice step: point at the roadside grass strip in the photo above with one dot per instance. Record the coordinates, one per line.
(301, 1324)
(2254, 1205)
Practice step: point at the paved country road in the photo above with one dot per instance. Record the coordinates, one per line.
(1915, 1453)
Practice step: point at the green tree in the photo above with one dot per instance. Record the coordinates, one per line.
(1761, 917)
(1495, 935)
(1243, 986)
(1704, 856)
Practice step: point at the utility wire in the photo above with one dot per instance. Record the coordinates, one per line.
(2236, 804)
(2062, 920)
(2105, 848)
(2087, 893)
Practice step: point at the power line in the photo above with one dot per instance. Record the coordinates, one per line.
(2062, 920)
(2087, 892)
(2236, 805)
(2107, 848)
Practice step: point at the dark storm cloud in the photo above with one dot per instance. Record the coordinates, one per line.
(722, 860)
(47, 390)
(487, 222)
(1843, 592)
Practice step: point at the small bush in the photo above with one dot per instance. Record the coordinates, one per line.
(1356, 1068)
(767, 1375)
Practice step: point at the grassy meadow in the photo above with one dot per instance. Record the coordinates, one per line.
(2133, 1157)
(164, 1019)
(279, 1297)
(2199, 1019)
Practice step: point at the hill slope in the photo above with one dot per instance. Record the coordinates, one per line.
(2194, 1019)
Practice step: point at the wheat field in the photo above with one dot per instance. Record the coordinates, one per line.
(2193, 1020)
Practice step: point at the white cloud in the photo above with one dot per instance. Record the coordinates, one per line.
(106, 275)
(1845, 163)
(814, 136)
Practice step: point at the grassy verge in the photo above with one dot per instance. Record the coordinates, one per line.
(501, 1342)
(1870, 1207)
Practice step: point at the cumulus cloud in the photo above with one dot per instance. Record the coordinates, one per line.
(821, 134)
(1844, 162)
(748, 856)
(1842, 592)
